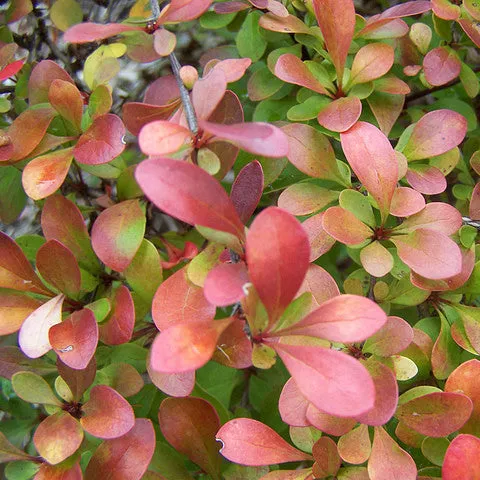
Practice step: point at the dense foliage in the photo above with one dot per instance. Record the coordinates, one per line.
(259, 265)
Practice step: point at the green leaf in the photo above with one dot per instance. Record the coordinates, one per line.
(214, 21)
(34, 389)
(22, 470)
(65, 13)
(12, 197)
(250, 42)
(30, 245)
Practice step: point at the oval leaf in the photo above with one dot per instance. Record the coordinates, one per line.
(341, 114)
(462, 459)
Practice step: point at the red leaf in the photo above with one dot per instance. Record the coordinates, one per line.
(445, 10)
(345, 227)
(75, 339)
(437, 414)
(162, 137)
(11, 69)
(208, 92)
(249, 442)
(186, 346)
(441, 65)
(336, 19)
(118, 328)
(124, 458)
(333, 381)
(373, 160)
(474, 206)
(278, 255)
(33, 335)
(61, 220)
(58, 437)
(59, 268)
(329, 424)
(14, 308)
(464, 380)
(430, 254)
(91, 32)
(386, 397)
(435, 133)
(233, 68)
(137, 115)
(77, 380)
(426, 179)
(179, 301)
(462, 459)
(43, 175)
(190, 425)
(341, 114)
(16, 272)
(371, 62)
(388, 460)
(225, 284)
(436, 216)
(198, 198)
(327, 460)
(42, 76)
(117, 234)
(291, 69)
(102, 142)
(60, 472)
(107, 414)
(247, 190)
(254, 137)
(234, 347)
(470, 27)
(320, 241)
(184, 10)
(344, 318)
(406, 202)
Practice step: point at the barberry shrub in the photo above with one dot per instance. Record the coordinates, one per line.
(240, 240)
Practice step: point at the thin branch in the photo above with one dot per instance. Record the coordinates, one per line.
(6, 89)
(423, 93)
(472, 223)
(184, 95)
(155, 8)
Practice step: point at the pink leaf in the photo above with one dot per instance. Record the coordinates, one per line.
(184, 10)
(441, 65)
(437, 216)
(118, 327)
(373, 160)
(435, 133)
(305, 198)
(107, 414)
(198, 198)
(462, 459)
(11, 69)
(376, 259)
(426, 179)
(42, 76)
(247, 190)
(190, 425)
(345, 227)
(289, 24)
(249, 442)
(126, 457)
(117, 234)
(333, 381)
(292, 405)
(329, 424)
(186, 346)
(208, 92)
(336, 19)
(225, 284)
(164, 42)
(341, 114)
(344, 318)
(474, 206)
(75, 339)
(179, 301)
(33, 335)
(320, 284)
(233, 68)
(102, 142)
(470, 27)
(91, 32)
(395, 336)
(371, 62)
(278, 254)
(291, 69)
(430, 254)
(388, 460)
(173, 384)
(162, 137)
(255, 137)
(320, 241)
(445, 10)
(406, 202)
(386, 394)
